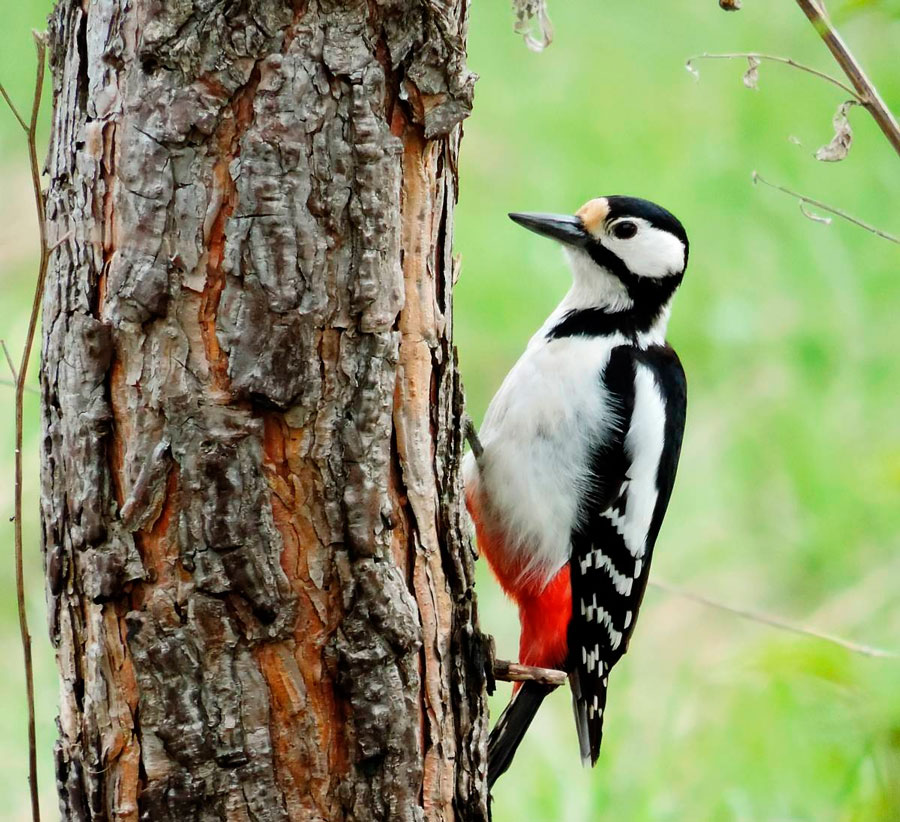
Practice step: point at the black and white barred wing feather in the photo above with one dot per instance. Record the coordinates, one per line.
(633, 475)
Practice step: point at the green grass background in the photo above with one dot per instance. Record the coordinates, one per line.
(788, 498)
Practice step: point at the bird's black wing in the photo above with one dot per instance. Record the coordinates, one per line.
(632, 476)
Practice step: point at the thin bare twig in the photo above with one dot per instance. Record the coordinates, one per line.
(866, 92)
(21, 376)
(9, 362)
(64, 239)
(775, 622)
(507, 671)
(746, 55)
(758, 178)
(12, 384)
(13, 108)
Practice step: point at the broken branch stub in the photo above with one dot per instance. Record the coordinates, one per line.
(507, 671)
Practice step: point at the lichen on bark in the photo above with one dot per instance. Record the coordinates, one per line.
(259, 583)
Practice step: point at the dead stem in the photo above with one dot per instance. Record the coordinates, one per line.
(758, 178)
(20, 378)
(866, 92)
(774, 622)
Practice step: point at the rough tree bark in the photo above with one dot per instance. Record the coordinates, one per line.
(259, 582)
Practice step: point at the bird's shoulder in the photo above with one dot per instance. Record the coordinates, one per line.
(628, 359)
(666, 366)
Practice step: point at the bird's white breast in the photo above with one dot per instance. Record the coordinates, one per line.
(538, 434)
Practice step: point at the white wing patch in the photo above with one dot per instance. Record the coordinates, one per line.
(644, 443)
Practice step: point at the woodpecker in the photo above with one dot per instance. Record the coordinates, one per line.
(571, 473)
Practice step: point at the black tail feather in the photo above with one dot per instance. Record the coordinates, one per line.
(511, 727)
(588, 710)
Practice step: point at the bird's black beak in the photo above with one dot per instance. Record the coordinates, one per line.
(561, 227)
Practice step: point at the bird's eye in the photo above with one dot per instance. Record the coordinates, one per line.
(625, 230)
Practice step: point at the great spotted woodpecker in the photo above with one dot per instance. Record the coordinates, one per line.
(577, 457)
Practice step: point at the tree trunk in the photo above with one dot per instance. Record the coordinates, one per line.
(260, 584)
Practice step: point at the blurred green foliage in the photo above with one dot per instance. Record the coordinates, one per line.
(788, 498)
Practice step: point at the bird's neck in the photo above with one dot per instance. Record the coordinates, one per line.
(611, 303)
(639, 316)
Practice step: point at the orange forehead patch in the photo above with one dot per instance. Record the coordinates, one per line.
(593, 213)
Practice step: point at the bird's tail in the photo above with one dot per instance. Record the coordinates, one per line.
(511, 727)
(588, 707)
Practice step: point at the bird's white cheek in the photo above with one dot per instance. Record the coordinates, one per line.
(651, 253)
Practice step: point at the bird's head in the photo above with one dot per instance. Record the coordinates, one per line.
(626, 254)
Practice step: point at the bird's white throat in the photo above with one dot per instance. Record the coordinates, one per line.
(593, 286)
